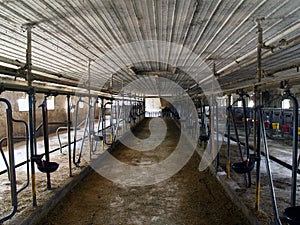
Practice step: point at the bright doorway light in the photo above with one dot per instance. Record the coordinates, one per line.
(285, 104)
(23, 104)
(251, 103)
(240, 103)
(50, 103)
(153, 107)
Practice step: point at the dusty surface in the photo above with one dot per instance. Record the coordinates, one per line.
(281, 177)
(177, 200)
(189, 197)
(58, 180)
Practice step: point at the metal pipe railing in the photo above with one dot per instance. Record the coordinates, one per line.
(3, 155)
(104, 121)
(228, 135)
(258, 157)
(69, 135)
(12, 171)
(49, 123)
(12, 165)
(273, 158)
(295, 147)
(76, 125)
(27, 151)
(46, 138)
(58, 130)
(268, 168)
(32, 142)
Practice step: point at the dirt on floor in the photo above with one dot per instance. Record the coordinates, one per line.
(188, 197)
(281, 178)
(59, 179)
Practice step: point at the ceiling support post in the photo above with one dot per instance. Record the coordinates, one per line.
(257, 101)
(31, 112)
(90, 114)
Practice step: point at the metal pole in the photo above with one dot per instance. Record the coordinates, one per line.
(255, 96)
(228, 136)
(69, 136)
(90, 116)
(11, 155)
(246, 135)
(46, 138)
(31, 103)
(295, 150)
(257, 101)
(75, 131)
(102, 121)
(111, 121)
(217, 132)
(259, 48)
(248, 182)
(236, 133)
(258, 153)
(117, 120)
(245, 126)
(94, 147)
(203, 127)
(12, 171)
(28, 56)
(123, 114)
(268, 168)
(212, 127)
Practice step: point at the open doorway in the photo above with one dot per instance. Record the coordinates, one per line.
(153, 107)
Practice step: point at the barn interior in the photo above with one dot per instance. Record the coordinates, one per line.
(81, 79)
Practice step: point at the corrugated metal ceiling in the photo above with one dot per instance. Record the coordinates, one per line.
(69, 33)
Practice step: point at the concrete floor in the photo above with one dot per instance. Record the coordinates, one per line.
(188, 197)
(187, 182)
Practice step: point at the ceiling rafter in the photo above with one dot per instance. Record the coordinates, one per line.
(68, 33)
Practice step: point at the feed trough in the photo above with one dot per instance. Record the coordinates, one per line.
(44, 166)
(292, 215)
(243, 167)
(203, 137)
(98, 137)
(47, 167)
